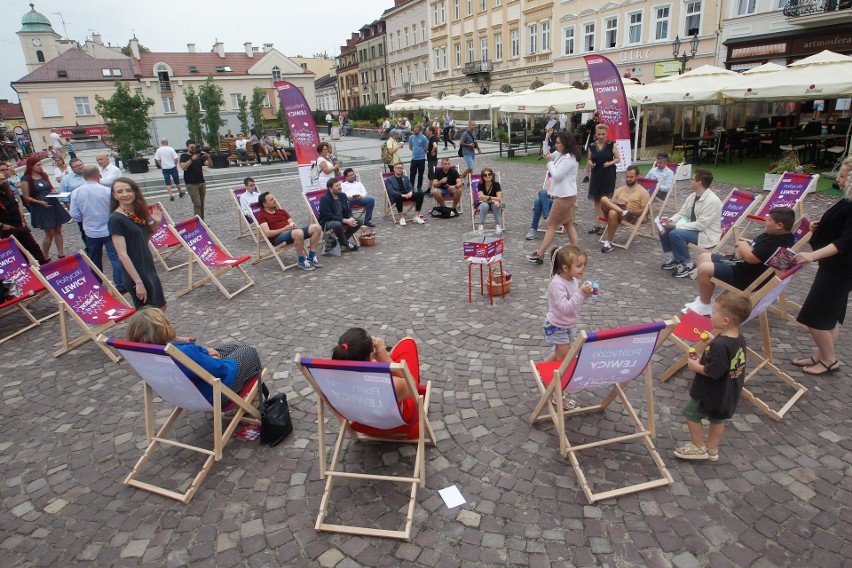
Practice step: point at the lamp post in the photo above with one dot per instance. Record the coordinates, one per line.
(684, 57)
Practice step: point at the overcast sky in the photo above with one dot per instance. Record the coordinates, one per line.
(295, 27)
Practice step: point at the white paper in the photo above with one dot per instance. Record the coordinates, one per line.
(550, 124)
(452, 496)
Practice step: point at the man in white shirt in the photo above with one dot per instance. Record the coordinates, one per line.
(58, 147)
(356, 193)
(660, 171)
(248, 198)
(109, 173)
(242, 154)
(329, 121)
(166, 157)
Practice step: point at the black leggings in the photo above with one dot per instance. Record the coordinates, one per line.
(256, 151)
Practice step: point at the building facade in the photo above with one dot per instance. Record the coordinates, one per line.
(372, 63)
(326, 93)
(408, 49)
(348, 91)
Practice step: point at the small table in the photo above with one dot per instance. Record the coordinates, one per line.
(813, 143)
(485, 250)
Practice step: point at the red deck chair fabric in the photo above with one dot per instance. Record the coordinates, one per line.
(15, 266)
(208, 251)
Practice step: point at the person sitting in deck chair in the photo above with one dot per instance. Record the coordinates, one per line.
(278, 227)
(335, 215)
(627, 204)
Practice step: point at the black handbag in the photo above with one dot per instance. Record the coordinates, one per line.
(275, 422)
(460, 150)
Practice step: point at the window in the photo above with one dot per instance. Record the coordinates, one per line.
(483, 5)
(443, 16)
(116, 72)
(662, 15)
(545, 35)
(391, 48)
(381, 73)
(610, 32)
(276, 73)
(82, 106)
(444, 57)
(413, 35)
(516, 43)
(265, 102)
(366, 97)
(469, 51)
(40, 56)
(634, 28)
(458, 55)
(416, 72)
(498, 3)
(745, 7)
(168, 104)
(456, 9)
(469, 7)
(692, 24)
(568, 41)
(498, 47)
(375, 76)
(435, 14)
(437, 59)
(49, 108)
(589, 37)
(407, 43)
(381, 49)
(372, 52)
(423, 30)
(393, 77)
(533, 38)
(483, 49)
(235, 101)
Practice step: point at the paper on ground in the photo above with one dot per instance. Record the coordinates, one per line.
(452, 496)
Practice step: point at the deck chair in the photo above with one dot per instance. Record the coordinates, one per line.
(735, 209)
(163, 243)
(245, 226)
(390, 208)
(591, 363)
(15, 265)
(789, 191)
(358, 211)
(362, 397)
(211, 256)
(688, 334)
(312, 198)
(643, 225)
(169, 373)
(86, 297)
(473, 181)
(265, 247)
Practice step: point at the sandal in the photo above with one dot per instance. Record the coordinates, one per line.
(596, 231)
(692, 452)
(809, 362)
(567, 403)
(828, 369)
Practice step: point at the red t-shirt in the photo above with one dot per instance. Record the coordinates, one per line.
(275, 221)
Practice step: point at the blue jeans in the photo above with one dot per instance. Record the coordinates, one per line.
(677, 242)
(541, 206)
(95, 251)
(483, 212)
(367, 202)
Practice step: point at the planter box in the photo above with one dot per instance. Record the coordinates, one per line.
(769, 181)
(137, 165)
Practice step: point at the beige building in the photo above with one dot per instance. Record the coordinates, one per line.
(348, 89)
(408, 49)
(372, 63)
(319, 66)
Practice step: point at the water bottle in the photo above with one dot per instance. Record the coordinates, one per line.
(596, 287)
(824, 131)
(693, 354)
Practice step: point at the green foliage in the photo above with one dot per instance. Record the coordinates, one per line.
(256, 107)
(502, 136)
(126, 116)
(242, 113)
(319, 117)
(193, 114)
(126, 49)
(283, 126)
(212, 98)
(368, 112)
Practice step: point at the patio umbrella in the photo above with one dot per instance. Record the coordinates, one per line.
(765, 68)
(826, 75)
(396, 105)
(700, 86)
(541, 101)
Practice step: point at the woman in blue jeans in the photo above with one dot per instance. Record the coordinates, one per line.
(541, 206)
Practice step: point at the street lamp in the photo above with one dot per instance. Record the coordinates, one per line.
(684, 57)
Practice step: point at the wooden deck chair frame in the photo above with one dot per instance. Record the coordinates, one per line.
(66, 312)
(390, 208)
(771, 201)
(211, 275)
(473, 182)
(244, 226)
(170, 250)
(546, 409)
(669, 197)
(317, 193)
(21, 303)
(266, 249)
(644, 225)
(761, 299)
(733, 227)
(329, 470)
(358, 211)
(245, 412)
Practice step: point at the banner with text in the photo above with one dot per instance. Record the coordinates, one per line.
(791, 189)
(612, 105)
(303, 130)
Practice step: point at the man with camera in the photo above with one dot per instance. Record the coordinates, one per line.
(192, 163)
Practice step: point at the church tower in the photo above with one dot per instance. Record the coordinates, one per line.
(38, 40)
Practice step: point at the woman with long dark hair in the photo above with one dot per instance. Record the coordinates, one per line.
(562, 168)
(46, 213)
(13, 223)
(130, 227)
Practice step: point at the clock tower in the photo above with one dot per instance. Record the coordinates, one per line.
(38, 40)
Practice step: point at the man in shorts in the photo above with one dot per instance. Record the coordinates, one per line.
(167, 158)
(469, 147)
(447, 183)
(279, 228)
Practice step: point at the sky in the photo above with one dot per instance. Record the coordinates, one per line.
(295, 27)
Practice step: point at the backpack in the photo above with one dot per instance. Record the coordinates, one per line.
(387, 157)
(315, 171)
(443, 212)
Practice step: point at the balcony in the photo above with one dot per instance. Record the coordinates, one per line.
(809, 13)
(165, 86)
(477, 67)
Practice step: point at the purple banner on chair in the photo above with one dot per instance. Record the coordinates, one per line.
(611, 361)
(313, 198)
(72, 279)
(474, 188)
(734, 208)
(14, 266)
(162, 237)
(193, 233)
(791, 189)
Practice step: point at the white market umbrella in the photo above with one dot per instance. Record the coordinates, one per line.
(540, 101)
(701, 86)
(396, 105)
(765, 68)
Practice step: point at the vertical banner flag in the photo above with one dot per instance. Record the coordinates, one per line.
(303, 130)
(612, 104)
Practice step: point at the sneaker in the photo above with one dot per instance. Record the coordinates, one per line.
(369, 224)
(402, 222)
(713, 455)
(670, 265)
(535, 258)
(692, 452)
(685, 269)
(607, 247)
(171, 198)
(532, 235)
(698, 307)
(351, 247)
(181, 194)
(498, 230)
(419, 220)
(306, 265)
(315, 262)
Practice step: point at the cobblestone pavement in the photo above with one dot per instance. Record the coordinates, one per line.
(73, 426)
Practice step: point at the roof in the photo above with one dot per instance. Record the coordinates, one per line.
(325, 82)
(206, 63)
(76, 65)
(35, 22)
(10, 111)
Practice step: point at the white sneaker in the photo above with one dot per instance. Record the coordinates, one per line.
(402, 222)
(419, 220)
(698, 307)
(498, 230)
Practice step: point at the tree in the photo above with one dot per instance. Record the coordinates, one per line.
(193, 114)
(212, 98)
(242, 114)
(126, 117)
(126, 49)
(256, 107)
(283, 126)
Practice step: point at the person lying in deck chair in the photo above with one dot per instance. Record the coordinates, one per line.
(278, 227)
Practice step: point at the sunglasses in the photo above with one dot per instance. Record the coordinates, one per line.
(488, 175)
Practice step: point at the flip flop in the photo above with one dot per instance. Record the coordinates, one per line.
(809, 362)
(829, 369)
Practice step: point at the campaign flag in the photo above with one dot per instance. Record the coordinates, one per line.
(791, 189)
(303, 130)
(612, 105)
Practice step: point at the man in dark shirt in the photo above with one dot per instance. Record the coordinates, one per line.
(400, 190)
(279, 228)
(746, 264)
(335, 214)
(432, 152)
(447, 183)
(192, 163)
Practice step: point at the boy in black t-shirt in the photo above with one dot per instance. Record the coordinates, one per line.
(719, 377)
(746, 264)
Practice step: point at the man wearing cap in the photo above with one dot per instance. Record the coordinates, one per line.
(660, 171)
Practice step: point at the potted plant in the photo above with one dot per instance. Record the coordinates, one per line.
(789, 162)
(126, 117)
